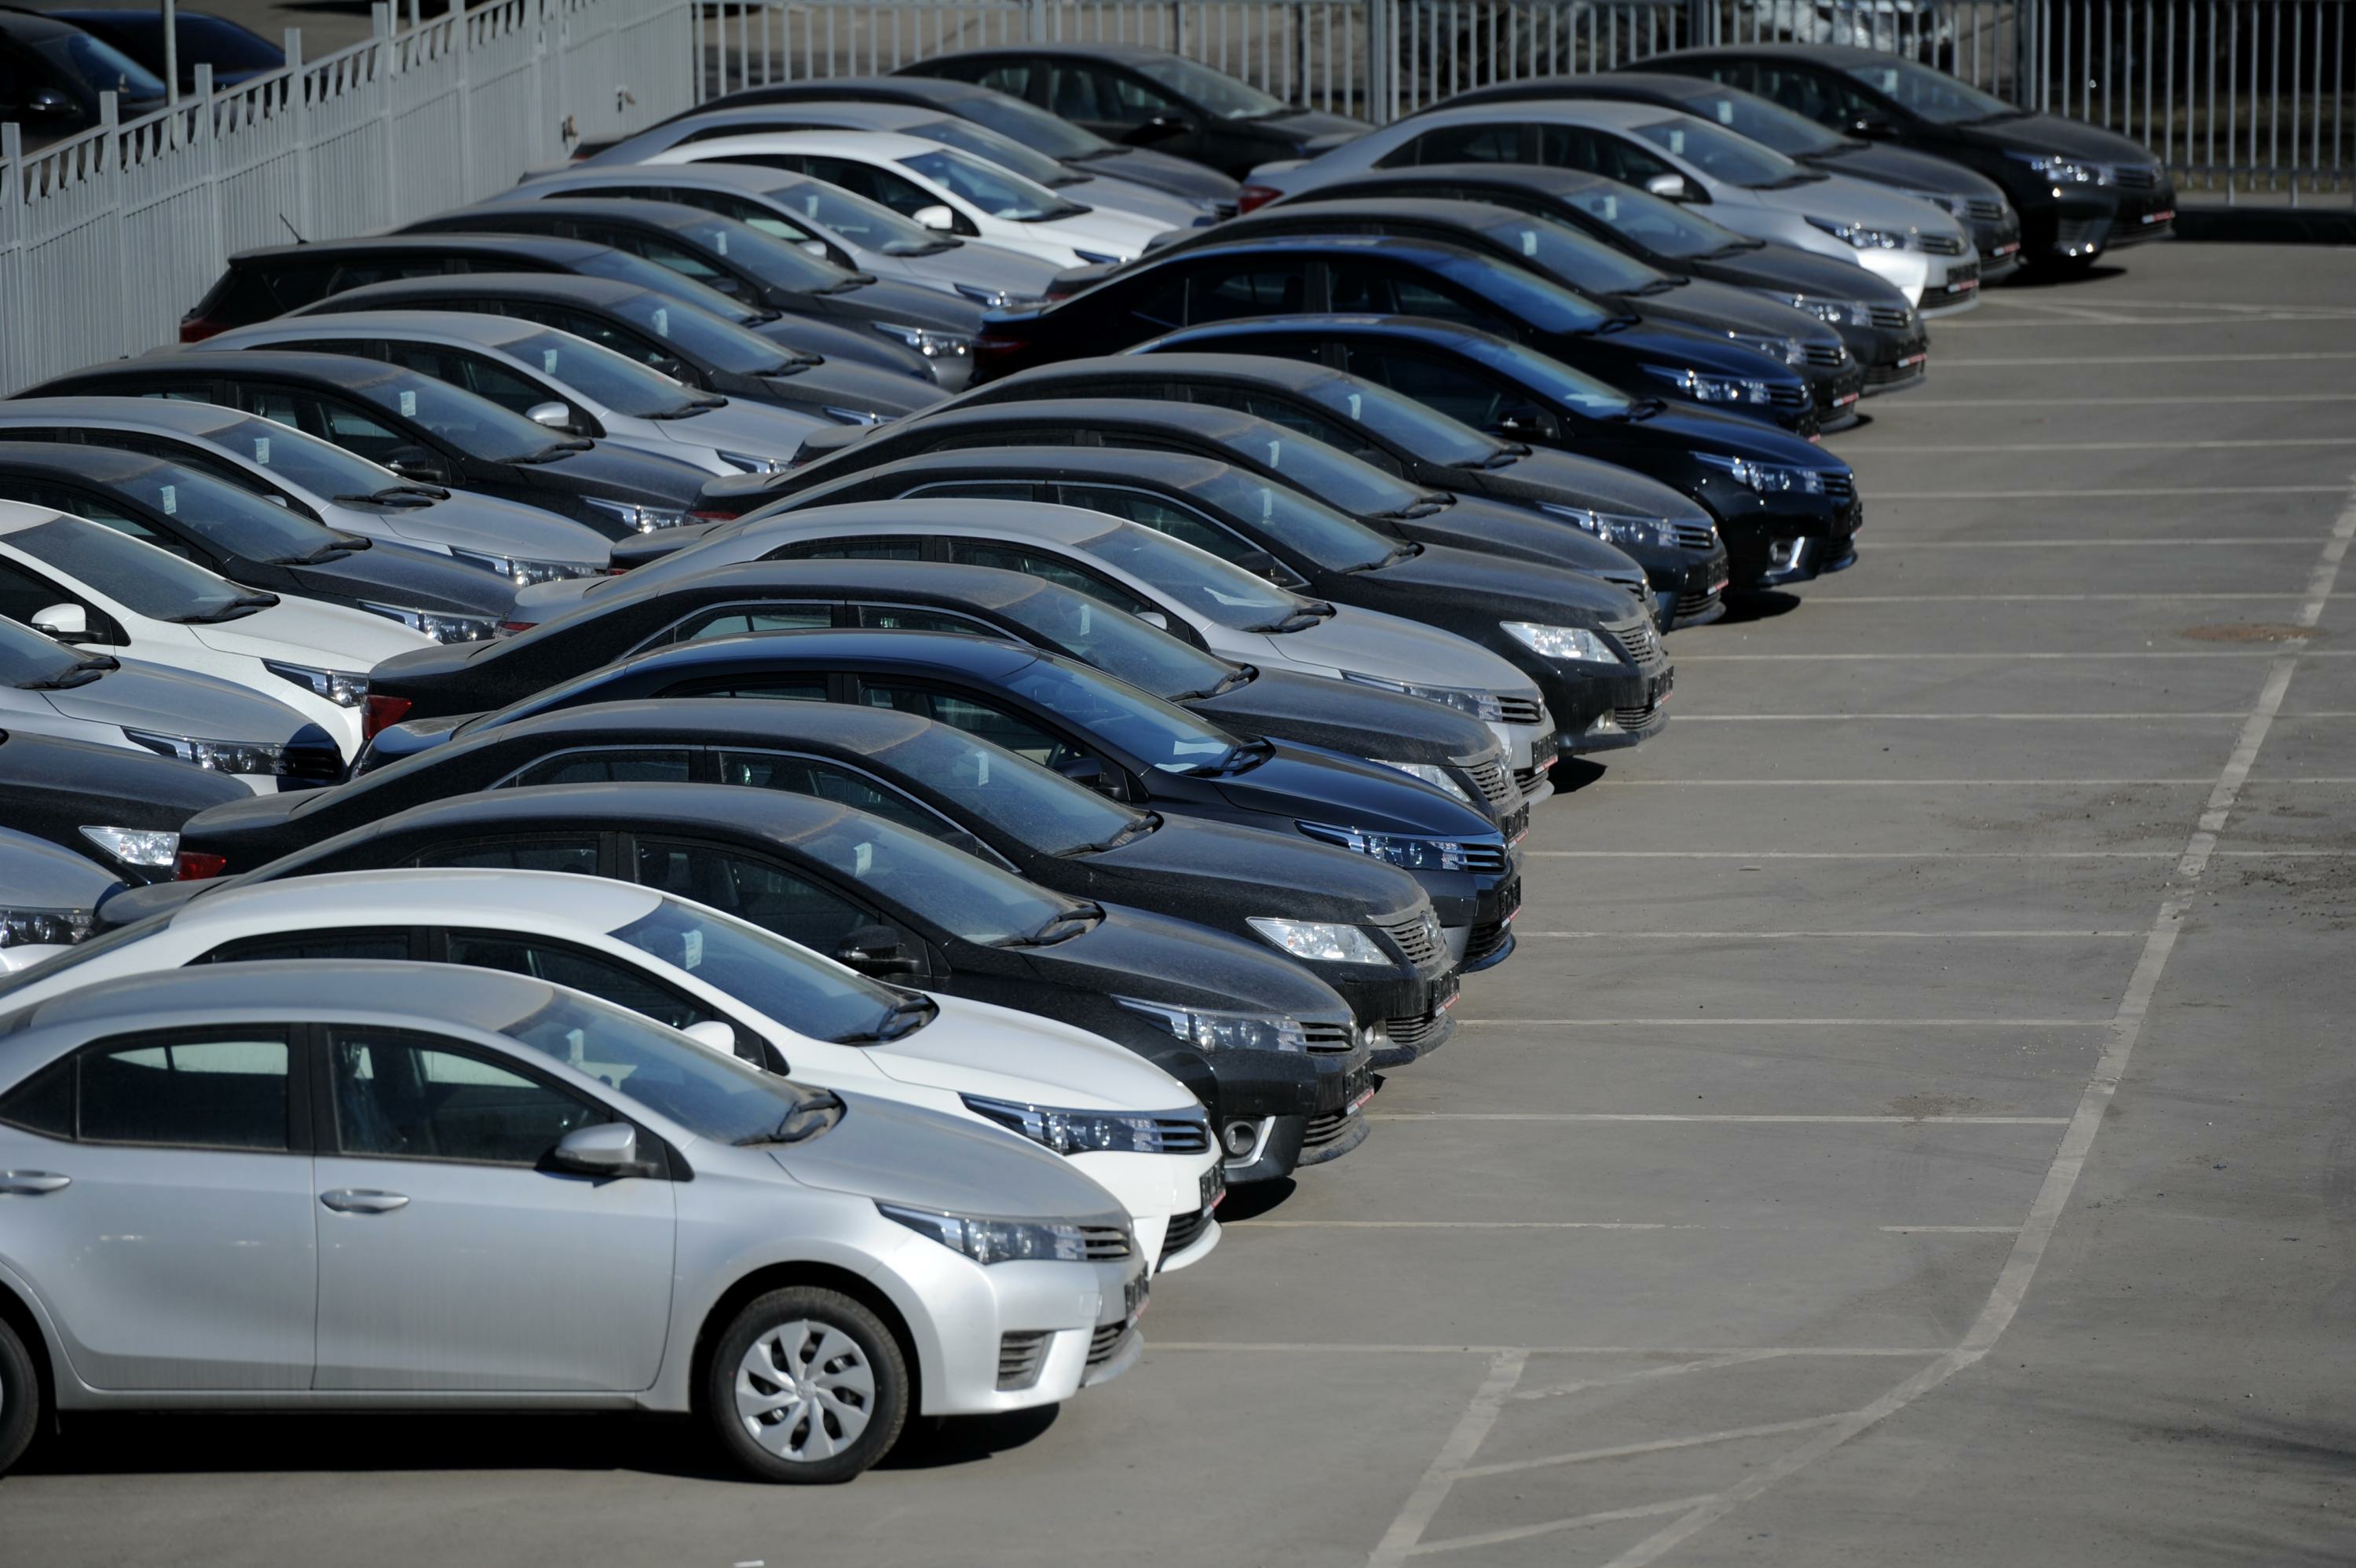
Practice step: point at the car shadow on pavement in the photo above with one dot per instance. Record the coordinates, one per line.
(1744, 608)
(2041, 278)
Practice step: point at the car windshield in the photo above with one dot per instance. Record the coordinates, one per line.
(1721, 154)
(867, 224)
(600, 374)
(1213, 589)
(964, 895)
(1932, 94)
(1019, 799)
(714, 1096)
(29, 661)
(1534, 301)
(699, 336)
(768, 973)
(139, 577)
(1300, 524)
(1661, 226)
(1572, 258)
(306, 462)
(1161, 735)
(1334, 477)
(988, 145)
(622, 267)
(1118, 643)
(1746, 115)
(476, 426)
(97, 65)
(1215, 91)
(999, 193)
(239, 521)
(1553, 378)
(1421, 433)
(1032, 127)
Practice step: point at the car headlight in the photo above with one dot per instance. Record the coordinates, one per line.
(1431, 773)
(1614, 526)
(1318, 942)
(1483, 705)
(440, 626)
(1703, 388)
(851, 416)
(932, 345)
(995, 299)
(1860, 236)
(1835, 312)
(1212, 1029)
(45, 927)
(1410, 852)
(1096, 257)
(1788, 350)
(753, 464)
(2062, 170)
(1767, 478)
(988, 1240)
(522, 573)
(136, 846)
(219, 756)
(1093, 1132)
(635, 517)
(1575, 643)
(345, 688)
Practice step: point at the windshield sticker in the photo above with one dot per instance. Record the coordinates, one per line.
(863, 860)
(548, 361)
(171, 497)
(261, 450)
(409, 405)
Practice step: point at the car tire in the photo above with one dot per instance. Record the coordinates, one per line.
(806, 1387)
(20, 1397)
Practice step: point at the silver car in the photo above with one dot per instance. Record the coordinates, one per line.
(48, 901)
(825, 219)
(322, 482)
(401, 1186)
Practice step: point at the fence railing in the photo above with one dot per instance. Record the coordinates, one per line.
(107, 238)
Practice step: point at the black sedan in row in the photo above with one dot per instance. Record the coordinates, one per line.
(120, 807)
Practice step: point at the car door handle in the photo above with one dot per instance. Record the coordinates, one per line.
(355, 1200)
(31, 1183)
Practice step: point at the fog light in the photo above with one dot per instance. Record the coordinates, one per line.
(1605, 724)
(1240, 1137)
(1783, 552)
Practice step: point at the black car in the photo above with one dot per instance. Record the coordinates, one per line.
(48, 898)
(1882, 328)
(227, 529)
(1008, 115)
(423, 429)
(120, 808)
(236, 54)
(1249, 1032)
(51, 74)
(1151, 98)
(1978, 202)
(276, 279)
(1389, 960)
(1378, 276)
(659, 329)
(747, 265)
(2079, 190)
(1592, 653)
(1670, 536)
(1437, 744)
(1787, 509)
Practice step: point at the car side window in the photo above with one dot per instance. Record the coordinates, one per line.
(1278, 411)
(616, 766)
(1368, 285)
(483, 376)
(1010, 76)
(991, 723)
(1052, 569)
(913, 618)
(597, 329)
(1156, 513)
(99, 510)
(980, 489)
(1487, 143)
(1459, 393)
(738, 620)
(902, 195)
(753, 889)
(1246, 287)
(1613, 157)
(24, 594)
(216, 1089)
(850, 549)
(825, 781)
(577, 856)
(562, 964)
(356, 943)
(406, 1096)
(778, 687)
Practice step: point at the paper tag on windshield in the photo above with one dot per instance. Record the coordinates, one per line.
(691, 950)
(982, 774)
(723, 239)
(1726, 111)
(662, 321)
(171, 500)
(409, 405)
(863, 860)
(261, 450)
(548, 361)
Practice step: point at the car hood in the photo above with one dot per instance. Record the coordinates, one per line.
(1345, 716)
(2054, 133)
(142, 696)
(1848, 200)
(62, 787)
(621, 474)
(977, 262)
(1512, 591)
(396, 742)
(930, 1160)
(411, 577)
(839, 341)
(1676, 345)
(1712, 430)
(758, 429)
(1105, 190)
(1885, 165)
(913, 305)
(1102, 229)
(1308, 126)
(1788, 268)
(851, 384)
(537, 601)
(489, 526)
(1315, 785)
(973, 1048)
(1496, 531)
(306, 631)
(1165, 959)
(1371, 643)
(1571, 481)
(1717, 307)
(1162, 171)
(1295, 877)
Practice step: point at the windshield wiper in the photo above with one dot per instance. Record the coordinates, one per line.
(81, 672)
(1661, 286)
(335, 549)
(690, 409)
(1137, 829)
(400, 495)
(554, 451)
(1058, 927)
(1299, 621)
(1642, 408)
(1421, 508)
(1735, 249)
(815, 1111)
(242, 606)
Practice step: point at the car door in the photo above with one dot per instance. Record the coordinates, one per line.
(25, 592)
(1601, 152)
(1166, 514)
(452, 1255)
(161, 1204)
(758, 889)
(347, 425)
(1118, 105)
(1480, 142)
(1468, 396)
(601, 974)
(996, 721)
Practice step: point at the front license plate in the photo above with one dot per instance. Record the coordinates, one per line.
(1845, 400)
(1136, 1297)
(1912, 360)
(2008, 249)
(1661, 685)
(2162, 216)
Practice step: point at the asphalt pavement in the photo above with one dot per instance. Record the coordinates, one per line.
(1915, 1129)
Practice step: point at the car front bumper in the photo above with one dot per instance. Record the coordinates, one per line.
(1080, 1318)
(1156, 1189)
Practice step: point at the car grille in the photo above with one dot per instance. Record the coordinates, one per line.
(1183, 1134)
(324, 763)
(1841, 487)
(1323, 1130)
(1986, 209)
(1523, 710)
(1418, 938)
(1110, 1244)
(1329, 1038)
(1495, 785)
(1484, 860)
(2139, 178)
(1636, 639)
(1105, 1343)
(1696, 536)
(1529, 778)
(1185, 1230)
(1831, 357)
(1414, 1029)
(1634, 718)
(1893, 318)
(1690, 604)
(1961, 280)
(1789, 397)
(1943, 244)
(1891, 375)
(1020, 1356)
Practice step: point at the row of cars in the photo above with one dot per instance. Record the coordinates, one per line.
(810, 818)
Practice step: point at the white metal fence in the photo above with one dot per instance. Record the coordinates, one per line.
(106, 238)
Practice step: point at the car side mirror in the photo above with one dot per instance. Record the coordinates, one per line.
(817, 248)
(609, 1148)
(1872, 125)
(1673, 187)
(875, 950)
(416, 463)
(47, 105)
(65, 623)
(554, 415)
(714, 1035)
(1093, 774)
(938, 216)
(1155, 619)
(1161, 128)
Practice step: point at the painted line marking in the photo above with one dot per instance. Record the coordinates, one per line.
(1729, 1119)
(1881, 498)
(1645, 1374)
(1657, 1446)
(1588, 1225)
(2204, 596)
(1399, 1540)
(1945, 364)
(1525, 1532)
(1295, 1348)
(2223, 445)
(1649, 784)
(2047, 934)
(1884, 541)
(1922, 854)
(1958, 717)
(2009, 658)
(2129, 402)
(1953, 1230)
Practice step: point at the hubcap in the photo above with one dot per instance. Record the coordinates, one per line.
(805, 1392)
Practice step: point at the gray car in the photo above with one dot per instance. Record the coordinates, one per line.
(320, 481)
(349, 1186)
(48, 901)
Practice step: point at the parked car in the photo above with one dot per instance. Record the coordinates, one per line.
(1672, 538)
(568, 384)
(1269, 1049)
(316, 480)
(1102, 192)
(1787, 509)
(824, 219)
(236, 533)
(425, 430)
(660, 330)
(1592, 653)
(52, 72)
(2081, 191)
(1438, 745)
(729, 985)
(1972, 199)
(94, 589)
(939, 186)
(500, 1144)
(1015, 118)
(1880, 326)
(119, 806)
(48, 899)
(1295, 274)
(1148, 98)
(1747, 187)
(1364, 927)
(236, 53)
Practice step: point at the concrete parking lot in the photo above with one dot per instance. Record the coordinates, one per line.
(1916, 1127)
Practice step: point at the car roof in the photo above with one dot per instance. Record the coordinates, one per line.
(488, 999)
(1259, 369)
(341, 372)
(1205, 421)
(548, 245)
(33, 27)
(75, 460)
(889, 145)
(404, 895)
(919, 89)
(174, 414)
(1524, 176)
(1599, 84)
(468, 326)
(885, 116)
(1411, 328)
(778, 816)
(1566, 111)
(715, 173)
(1179, 470)
(16, 517)
(668, 215)
(1072, 525)
(1429, 250)
(573, 286)
(1837, 54)
(1047, 51)
(982, 587)
(834, 648)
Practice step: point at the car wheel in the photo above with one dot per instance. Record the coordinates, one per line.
(807, 1386)
(20, 1397)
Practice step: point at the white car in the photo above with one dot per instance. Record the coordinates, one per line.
(1742, 183)
(553, 379)
(1121, 1121)
(940, 188)
(99, 591)
(48, 899)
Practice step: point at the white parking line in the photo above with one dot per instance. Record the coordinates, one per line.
(2307, 355)
(1298, 1347)
(1731, 1119)
(1645, 1374)
(1953, 1230)
(2235, 444)
(1657, 1446)
(1882, 498)
(1918, 402)
(1669, 934)
(1525, 1532)
(1399, 1541)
